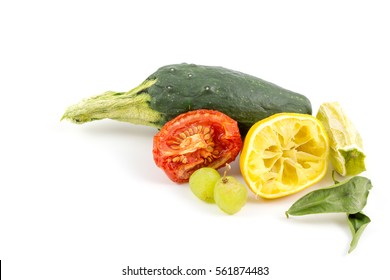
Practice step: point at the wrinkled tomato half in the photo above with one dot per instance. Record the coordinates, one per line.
(196, 139)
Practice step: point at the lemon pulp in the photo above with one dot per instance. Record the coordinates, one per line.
(284, 154)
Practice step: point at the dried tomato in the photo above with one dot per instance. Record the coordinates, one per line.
(196, 139)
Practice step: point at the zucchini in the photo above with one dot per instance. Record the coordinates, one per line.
(176, 89)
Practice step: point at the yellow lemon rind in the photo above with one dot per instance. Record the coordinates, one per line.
(249, 143)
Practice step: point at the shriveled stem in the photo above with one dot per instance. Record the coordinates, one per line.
(131, 106)
(227, 169)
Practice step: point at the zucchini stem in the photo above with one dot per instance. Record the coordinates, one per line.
(131, 106)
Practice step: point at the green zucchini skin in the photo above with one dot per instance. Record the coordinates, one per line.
(178, 88)
(245, 98)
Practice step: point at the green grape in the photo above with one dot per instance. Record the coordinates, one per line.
(202, 183)
(230, 195)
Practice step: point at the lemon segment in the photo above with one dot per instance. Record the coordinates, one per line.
(283, 154)
(346, 154)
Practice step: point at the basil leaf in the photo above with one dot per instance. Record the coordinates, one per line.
(357, 223)
(348, 196)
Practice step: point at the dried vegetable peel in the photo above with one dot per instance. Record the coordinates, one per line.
(346, 145)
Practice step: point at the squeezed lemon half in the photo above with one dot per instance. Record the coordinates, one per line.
(283, 154)
(346, 146)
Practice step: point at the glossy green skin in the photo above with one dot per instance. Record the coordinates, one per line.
(247, 99)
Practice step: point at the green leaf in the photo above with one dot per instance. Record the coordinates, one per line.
(357, 223)
(349, 196)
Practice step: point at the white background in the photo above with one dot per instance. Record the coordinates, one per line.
(84, 202)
